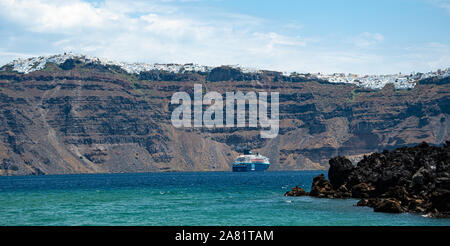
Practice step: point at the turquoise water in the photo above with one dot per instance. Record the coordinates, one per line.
(210, 198)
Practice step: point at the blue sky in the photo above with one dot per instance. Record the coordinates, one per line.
(375, 37)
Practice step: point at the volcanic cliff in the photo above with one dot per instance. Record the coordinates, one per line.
(89, 117)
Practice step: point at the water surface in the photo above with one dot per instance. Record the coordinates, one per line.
(207, 198)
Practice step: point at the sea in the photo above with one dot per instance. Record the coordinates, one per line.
(182, 199)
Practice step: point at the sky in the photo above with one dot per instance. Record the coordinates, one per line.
(360, 36)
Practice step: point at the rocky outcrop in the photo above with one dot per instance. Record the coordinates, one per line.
(340, 167)
(323, 188)
(410, 179)
(388, 205)
(226, 73)
(296, 191)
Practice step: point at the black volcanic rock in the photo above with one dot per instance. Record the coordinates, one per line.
(340, 167)
(321, 187)
(409, 179)
(296, 191)
(389, 205)
(362, 190)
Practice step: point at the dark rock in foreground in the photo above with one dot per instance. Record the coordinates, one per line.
(296, 191)
(340, 167)
(410, 179)
(389, 205)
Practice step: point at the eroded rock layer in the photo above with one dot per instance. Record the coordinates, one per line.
(91, 118)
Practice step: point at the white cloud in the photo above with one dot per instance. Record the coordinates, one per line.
(7, 56)
(154, 34)
(367, 39)
(277, 39)
(432, 56)
(60, 16)
(161, 32)
(444, 4)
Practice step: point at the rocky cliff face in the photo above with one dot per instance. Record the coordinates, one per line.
(80, 117)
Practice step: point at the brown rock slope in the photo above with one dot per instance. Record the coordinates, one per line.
(90, 118)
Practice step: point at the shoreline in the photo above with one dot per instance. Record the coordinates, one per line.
(65, 174)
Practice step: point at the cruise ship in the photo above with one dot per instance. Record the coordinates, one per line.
(249, 162)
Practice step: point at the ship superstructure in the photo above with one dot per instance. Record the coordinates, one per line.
(249, 162)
